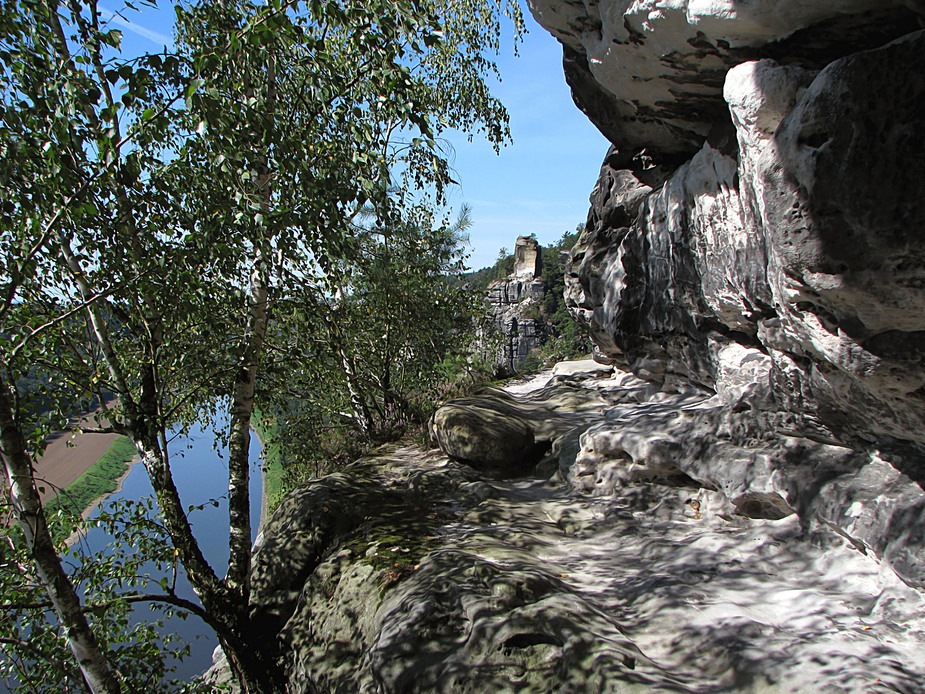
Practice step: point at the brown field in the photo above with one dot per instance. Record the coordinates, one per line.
(63, 463)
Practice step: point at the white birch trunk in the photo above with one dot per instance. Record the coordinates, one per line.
(31, 518)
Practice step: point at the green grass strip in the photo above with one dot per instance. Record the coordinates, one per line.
(98, 481)
(273, 474)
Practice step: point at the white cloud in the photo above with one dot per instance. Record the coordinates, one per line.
(152, 36)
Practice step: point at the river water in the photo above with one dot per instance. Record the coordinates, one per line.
(200, 470)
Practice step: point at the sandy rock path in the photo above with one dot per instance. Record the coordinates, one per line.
(718, 603)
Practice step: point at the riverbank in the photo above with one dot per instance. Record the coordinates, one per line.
(271, 468)
(67, 457)
(89, 468)
(103, 478)
(91, 506)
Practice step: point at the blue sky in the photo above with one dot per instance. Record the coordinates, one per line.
(541, 183)
(538, 185)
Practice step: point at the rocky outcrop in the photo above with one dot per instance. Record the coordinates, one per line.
(650, 73)
(757, 233)
(793, 228)
(716, 506)
(513, 300)
(605, 433)
(607, 568)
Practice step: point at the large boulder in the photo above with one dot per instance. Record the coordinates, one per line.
(502, 435)
(477, 432)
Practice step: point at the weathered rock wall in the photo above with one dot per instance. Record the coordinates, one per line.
(650, 73)
(762, 194)
(510, 300)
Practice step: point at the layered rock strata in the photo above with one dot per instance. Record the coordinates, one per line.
(513, 302)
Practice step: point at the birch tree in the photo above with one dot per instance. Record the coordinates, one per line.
(170, 200)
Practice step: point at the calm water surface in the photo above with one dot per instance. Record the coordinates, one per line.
(200, 471)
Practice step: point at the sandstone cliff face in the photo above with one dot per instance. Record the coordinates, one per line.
(763, 193)
(650, 73)
(757, 232)
(510, 299)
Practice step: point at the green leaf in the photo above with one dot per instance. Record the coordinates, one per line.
(113, 38)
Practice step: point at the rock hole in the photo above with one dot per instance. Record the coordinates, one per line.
(814, 140)
(528, 640)
(682, 480)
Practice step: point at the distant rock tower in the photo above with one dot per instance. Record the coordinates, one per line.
(528, 258)
(512, 300)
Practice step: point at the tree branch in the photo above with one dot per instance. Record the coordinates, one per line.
(64, 316)
(99, 607)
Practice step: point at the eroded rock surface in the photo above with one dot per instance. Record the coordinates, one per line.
(784, 220)
(734, 502)
(756, 249)
(638, 561)
(650, 73)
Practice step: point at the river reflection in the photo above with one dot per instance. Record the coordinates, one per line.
(200, 471)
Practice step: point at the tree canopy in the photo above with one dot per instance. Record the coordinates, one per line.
(157, 209)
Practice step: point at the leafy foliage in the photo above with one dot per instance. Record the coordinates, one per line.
(136, 569)
(370, 352)
(157, 210)
(569, 340)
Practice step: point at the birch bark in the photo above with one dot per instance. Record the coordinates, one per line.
(27, 508)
